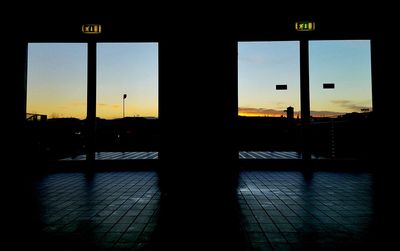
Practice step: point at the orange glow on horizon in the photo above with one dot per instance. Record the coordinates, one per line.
(264, 112)
(246, 114)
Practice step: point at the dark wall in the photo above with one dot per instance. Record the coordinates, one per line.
(198, 64)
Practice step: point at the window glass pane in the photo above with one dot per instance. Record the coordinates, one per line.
(347, 65)
(340, 113)
(131, 69)
(269, 98)
(127, 98)
(262, 66)
(56, 98)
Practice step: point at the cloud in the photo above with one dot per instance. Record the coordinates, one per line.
(249, 111)
(356, 107)
(349, 105)
(114, 106)
(341, 102)
(260, 111)
(325, 113)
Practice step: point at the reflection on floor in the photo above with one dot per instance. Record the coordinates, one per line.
(280, 210)
(118, 156)
(285, 210)
(154, 155)
(107, 210)
(273, 155)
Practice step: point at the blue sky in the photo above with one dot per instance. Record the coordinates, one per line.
(127, 68)
(261, 66)
(56, 81)
(348, 65)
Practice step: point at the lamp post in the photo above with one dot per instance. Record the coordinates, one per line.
(123, 105)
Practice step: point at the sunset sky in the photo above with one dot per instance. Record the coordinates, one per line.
(348, 65)
(57, 75)
(127, 68)
(262, 65)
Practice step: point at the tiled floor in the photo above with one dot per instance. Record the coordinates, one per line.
(285, 211)
(280, 210)
(108, 210)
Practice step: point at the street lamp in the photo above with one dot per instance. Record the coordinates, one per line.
(123, 105)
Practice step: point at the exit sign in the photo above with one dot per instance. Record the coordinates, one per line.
(91, 28)
(305, 26)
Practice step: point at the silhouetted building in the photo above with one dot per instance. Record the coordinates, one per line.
(290, 113)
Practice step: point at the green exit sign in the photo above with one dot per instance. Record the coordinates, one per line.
(305, 26)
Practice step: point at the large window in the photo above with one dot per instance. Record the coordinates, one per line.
(127, 100)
